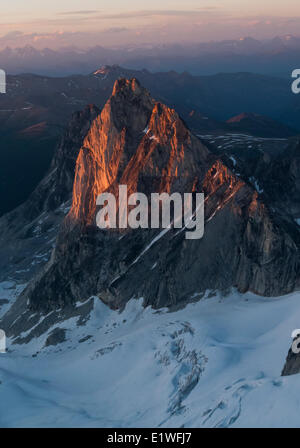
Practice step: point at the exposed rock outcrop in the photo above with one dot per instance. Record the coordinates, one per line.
(292, 364)
(282, 180)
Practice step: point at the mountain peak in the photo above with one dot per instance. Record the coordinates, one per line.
(106, 69)
(128, 85)
(135, 140)
(243, 116)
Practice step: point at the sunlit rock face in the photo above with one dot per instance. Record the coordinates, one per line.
(137, 142)
(141, 143)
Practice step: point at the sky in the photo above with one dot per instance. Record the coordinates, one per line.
(117, 22)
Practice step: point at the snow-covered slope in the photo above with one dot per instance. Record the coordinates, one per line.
(216, 363)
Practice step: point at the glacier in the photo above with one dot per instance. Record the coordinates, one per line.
(215, 363)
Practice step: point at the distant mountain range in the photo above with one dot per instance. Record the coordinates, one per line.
(276, 57)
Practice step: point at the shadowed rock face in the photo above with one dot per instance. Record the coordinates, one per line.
(28, 230)
(56, 187)
(292, 364)
(282, 180)
(145, 145)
